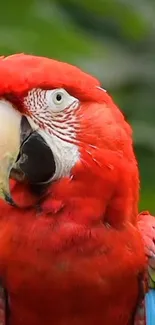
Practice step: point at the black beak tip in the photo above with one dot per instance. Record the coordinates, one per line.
(9, 200)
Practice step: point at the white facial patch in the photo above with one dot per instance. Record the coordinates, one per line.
(65, 154)
(53, 115)
(54, 101)
(54, 111)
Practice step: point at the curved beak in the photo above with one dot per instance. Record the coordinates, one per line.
(10, 121)
(24, 154)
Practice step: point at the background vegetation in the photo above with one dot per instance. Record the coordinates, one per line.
(112, 39)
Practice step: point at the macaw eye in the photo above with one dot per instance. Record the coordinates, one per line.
(59, 99)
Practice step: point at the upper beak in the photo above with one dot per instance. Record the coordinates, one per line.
(10, 121)
(24, 153)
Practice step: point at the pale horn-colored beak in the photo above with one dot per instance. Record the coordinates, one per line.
(10, 121)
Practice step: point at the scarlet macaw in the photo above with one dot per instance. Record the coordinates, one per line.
(71, 252)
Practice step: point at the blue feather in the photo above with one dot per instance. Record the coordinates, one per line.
(150, 307)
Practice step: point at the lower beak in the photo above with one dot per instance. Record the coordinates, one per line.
(24, 154)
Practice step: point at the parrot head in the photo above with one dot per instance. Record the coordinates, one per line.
(59, 128)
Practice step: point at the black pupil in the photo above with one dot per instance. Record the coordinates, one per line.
(58, 97)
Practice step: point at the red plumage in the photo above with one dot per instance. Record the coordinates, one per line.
(74, 256)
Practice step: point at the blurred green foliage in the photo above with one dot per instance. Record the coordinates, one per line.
(112, 39)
